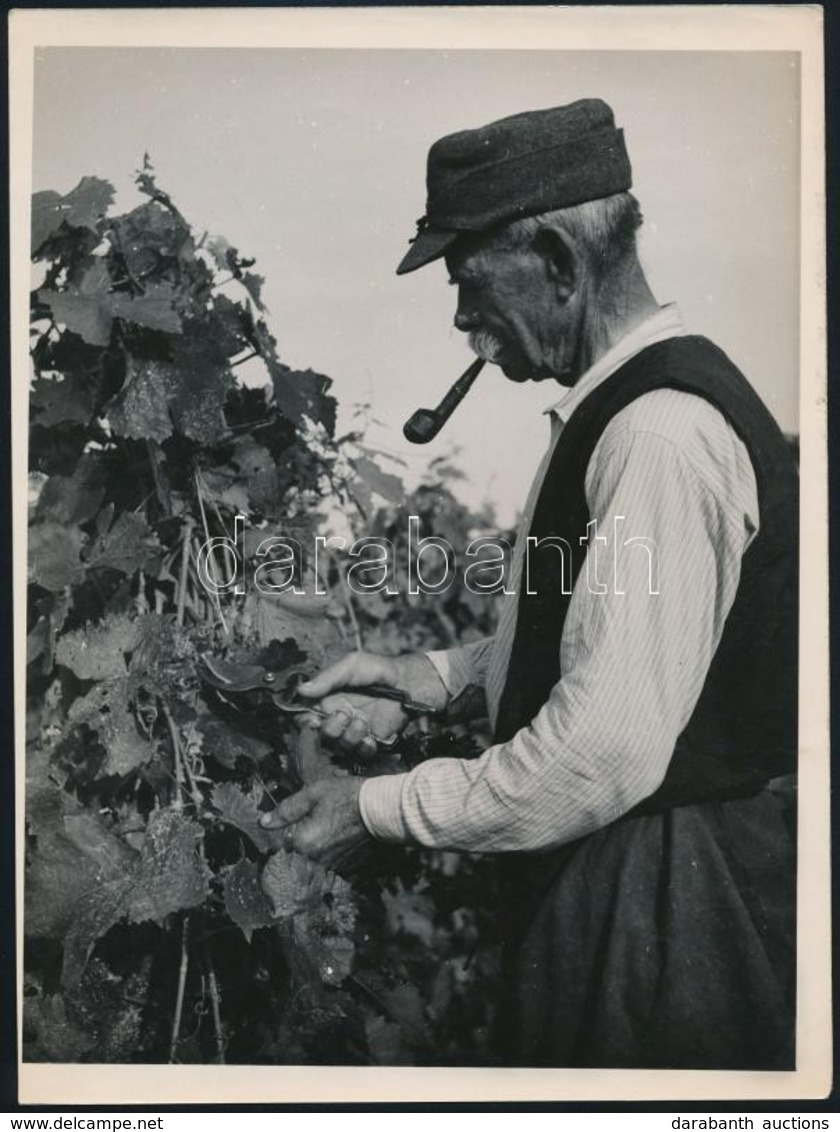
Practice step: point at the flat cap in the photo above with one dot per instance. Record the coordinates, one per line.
(518, 166)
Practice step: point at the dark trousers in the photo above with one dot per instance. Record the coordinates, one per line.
(663, 941)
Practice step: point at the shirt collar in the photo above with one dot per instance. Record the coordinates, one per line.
(666, 323)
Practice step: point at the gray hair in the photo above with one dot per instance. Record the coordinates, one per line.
(605, 230)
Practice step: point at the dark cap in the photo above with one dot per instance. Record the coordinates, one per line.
(519, 166)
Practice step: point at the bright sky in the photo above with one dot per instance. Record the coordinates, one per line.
(314, 162)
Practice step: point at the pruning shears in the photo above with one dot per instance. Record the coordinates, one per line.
(279, 686)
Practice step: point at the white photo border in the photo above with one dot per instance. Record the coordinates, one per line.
(703, 27)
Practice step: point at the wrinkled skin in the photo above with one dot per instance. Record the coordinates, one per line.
(323, 821)
(525, 300)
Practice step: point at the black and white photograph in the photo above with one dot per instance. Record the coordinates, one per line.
(423, 430)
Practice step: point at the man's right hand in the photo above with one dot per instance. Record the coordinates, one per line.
(357, 721)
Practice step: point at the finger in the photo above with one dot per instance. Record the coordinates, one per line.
(332, 678)
(289, 842)
(356, 731)
(352, 671)
(334, 725)
(290, 810)
(308, 839)
(339, 702)
(368, 746)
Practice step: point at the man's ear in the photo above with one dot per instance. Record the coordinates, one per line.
(562, 259)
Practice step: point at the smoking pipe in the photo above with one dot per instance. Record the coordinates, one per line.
(424, 424)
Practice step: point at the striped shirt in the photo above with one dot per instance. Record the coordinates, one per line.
(668, 470)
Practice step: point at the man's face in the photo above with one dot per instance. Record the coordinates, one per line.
(509, 304)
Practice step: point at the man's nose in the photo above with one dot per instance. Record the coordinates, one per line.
(466, 319)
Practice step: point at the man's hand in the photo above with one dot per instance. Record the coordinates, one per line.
(356, 720)
(323, 821)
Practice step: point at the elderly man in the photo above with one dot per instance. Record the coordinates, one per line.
(642, 729)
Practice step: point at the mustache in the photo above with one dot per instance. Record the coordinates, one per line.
(485, 345)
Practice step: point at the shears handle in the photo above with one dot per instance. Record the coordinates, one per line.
(386, 692)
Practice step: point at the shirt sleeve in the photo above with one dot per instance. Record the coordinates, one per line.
(464, 668)
(674, 500)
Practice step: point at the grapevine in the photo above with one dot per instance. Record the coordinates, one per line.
(162, 922)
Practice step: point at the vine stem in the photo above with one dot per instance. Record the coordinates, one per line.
(159, 476)
(211, 555)
(215, 1005)
(351, 612)
(182, 765)
(247, 358)
(177, 801)
(185, 563)
(182, 982)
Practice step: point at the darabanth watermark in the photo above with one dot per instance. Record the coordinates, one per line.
(280, 562)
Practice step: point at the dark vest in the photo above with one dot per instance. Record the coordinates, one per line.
(743, 731)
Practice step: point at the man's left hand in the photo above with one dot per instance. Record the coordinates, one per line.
(323, 821)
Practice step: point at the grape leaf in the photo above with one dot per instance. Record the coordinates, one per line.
(303, 393)
(224, 254)
(253, 284)
(47, 217)
(245, 901)
(410, 913)
(75, 856)
(362, 496)
(190, 390)
(83, 307)
(82, 207)
(94, 914)
(154, 308)
(104, 709)
(172, 873)
(240, 810)
(390, 487)
(113, 1009)
(275, 617)
(340, 912)
(291, 882)
(90, 307)
(384, 1040)
(37, 639)
(55, 881)
(405, 1004)
(332, 954)
(88, 202)
(54, 555)
(149, 234)
(65, 401)
(227, 258)
(141, 408)
(125, 748)
(83, 880)
(231, 323)
(295, 885)
(226, 488)
(204, 380)
(98, 652)
(44, 799)
(165, 658)
(86, 831)
(226, 745)
(324, 927)
(48, 1032)
(129, 545)
(251, 457)
(71, 499)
